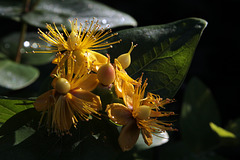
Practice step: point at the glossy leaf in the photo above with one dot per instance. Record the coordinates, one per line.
(164, 52)
(9, 46)
(16, 76)
(49, 11)
(198, 110)
(10, 107)
(11, 9)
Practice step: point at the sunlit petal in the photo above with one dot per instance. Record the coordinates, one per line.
(119, 113)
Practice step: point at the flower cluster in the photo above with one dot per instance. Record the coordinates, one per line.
(80, 69)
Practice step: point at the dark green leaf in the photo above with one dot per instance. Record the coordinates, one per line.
(18, 120)
(10, 107)
(179, 150)
(198, 110)
(16, 76)
(164, 52)
(234, 127)
(9, 46)
(227, 138)
(49, 11)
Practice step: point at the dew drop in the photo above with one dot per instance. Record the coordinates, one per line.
(104, 21)
(26, 44)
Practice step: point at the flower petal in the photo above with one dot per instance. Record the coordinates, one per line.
(62, 115)
(90, 83)
(119, 113)
(128, 136)
(92, 99)
(147, 136)
(44, 101)
(97, 58)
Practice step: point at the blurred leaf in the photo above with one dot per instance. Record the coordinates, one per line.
(234, 127)
(27, 143)
(16, 76)
(11, 9)
(179, 150)
(221, 132)
(227, 138)
(158, 140)
(9, 46)
(10, 107)
(198, 110)
(164, 52)
(49, 11)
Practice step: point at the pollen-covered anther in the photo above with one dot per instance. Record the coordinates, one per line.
(62, 86)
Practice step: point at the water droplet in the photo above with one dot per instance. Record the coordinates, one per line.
(34, 45)
(26, 44)
(104, 21)
(198, 26)
(22, 50)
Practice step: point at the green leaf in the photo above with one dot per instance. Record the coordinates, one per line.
(221, 132)
(198, 110)
(11, 9)
(16, 76)
(164, 52)
(9, 46)
(10, 107)
(49, 11)
(234, 127)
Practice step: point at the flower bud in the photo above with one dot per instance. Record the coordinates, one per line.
(125, 59)
(144, 112)
(62, 86)
(106, 73)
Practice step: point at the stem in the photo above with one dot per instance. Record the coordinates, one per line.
(21, 40)
(26, 9)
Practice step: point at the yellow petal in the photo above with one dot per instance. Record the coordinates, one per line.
(62, 115)
(44, 101)
(86, 96)
(147, 136)
(128, 136)
(119, 113)
(98, 59)
(90, 83)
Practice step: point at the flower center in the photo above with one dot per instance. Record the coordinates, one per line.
(62, 86)
(144, 112)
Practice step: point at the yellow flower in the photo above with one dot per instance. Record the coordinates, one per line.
(139, 114)
(79, 42)
(70, 98)
(123, 80)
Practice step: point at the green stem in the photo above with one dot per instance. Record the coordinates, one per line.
(26, 9)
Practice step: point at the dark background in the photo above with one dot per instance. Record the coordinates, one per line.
(216, 60)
